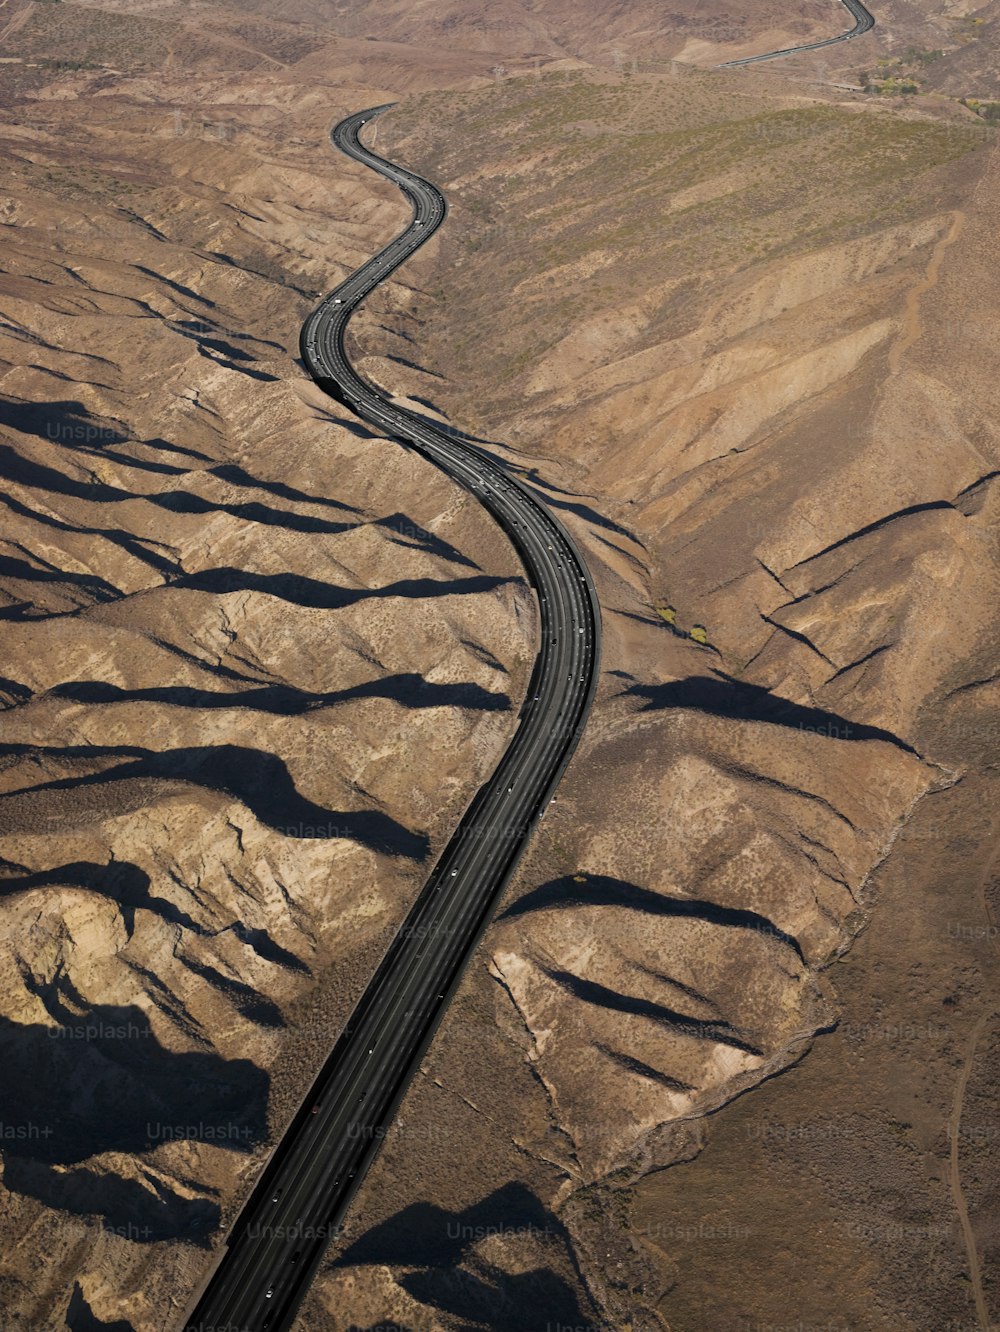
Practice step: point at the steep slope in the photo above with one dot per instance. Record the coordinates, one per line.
(711, 319)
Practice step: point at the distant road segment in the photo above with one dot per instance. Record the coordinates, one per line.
(863, 22)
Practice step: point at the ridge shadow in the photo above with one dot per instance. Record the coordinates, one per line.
(81, 1318)
(301, 590)
(409, 690)
(602, 890)
(99, 1081)
(434, 1241)
(601, 996)
(128, 886)
(39, 476)
(119, 881)
(132, 545)
(739, 701)
(257, 778)
(96, 590)
(402, 531)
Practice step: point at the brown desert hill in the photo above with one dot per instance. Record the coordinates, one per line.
(605, 31)
(957, 53)
(627, 32)
(235, 622)
(259, 659)
(601, 30)
(761, 396)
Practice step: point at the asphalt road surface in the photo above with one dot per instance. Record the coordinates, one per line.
(277, 1244)
(863, 22)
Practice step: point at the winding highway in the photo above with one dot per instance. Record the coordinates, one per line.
(863, 22)
(278, 1242)
(277, 1245)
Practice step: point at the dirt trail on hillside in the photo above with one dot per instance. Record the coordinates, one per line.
(17, 20)
(912, 327)
(954, 1125)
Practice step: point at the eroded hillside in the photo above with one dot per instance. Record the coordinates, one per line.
(736, 336)
(236, 625)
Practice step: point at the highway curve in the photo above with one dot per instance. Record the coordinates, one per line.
(277, 1244)
(863, 22)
